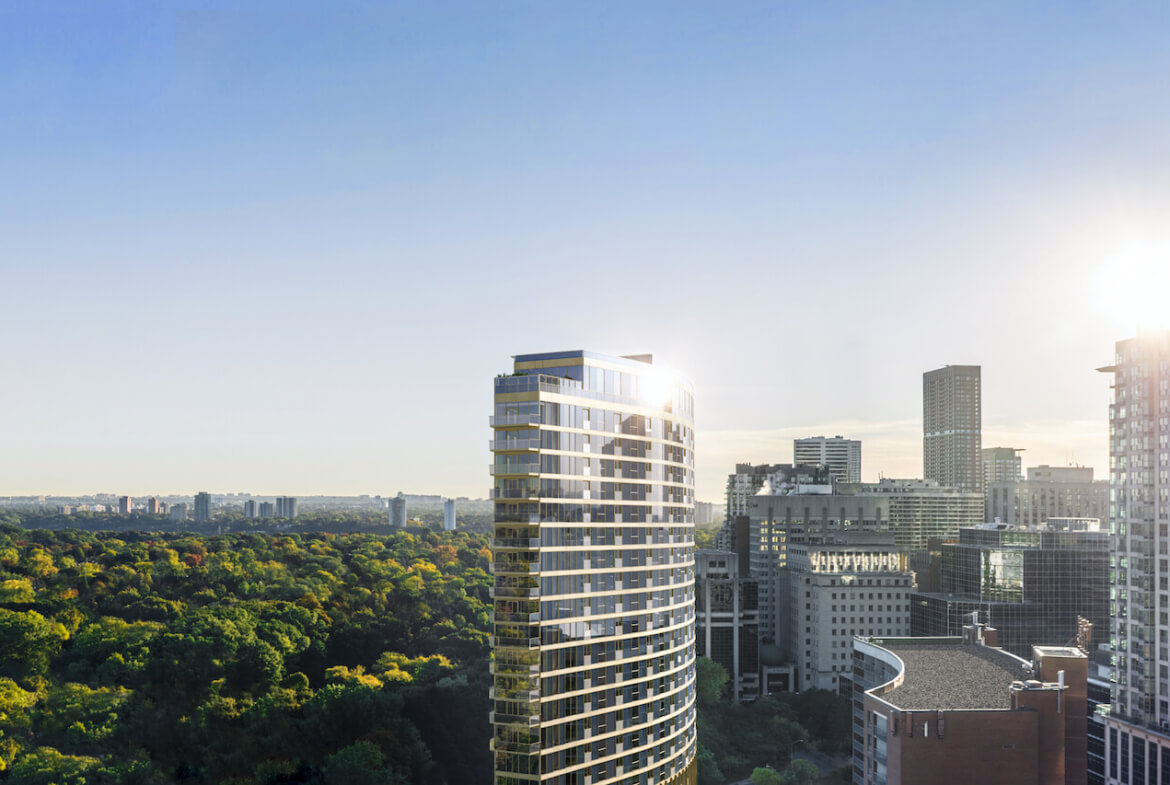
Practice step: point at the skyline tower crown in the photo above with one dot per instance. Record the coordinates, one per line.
(593, 639)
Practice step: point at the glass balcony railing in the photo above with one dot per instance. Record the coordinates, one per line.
(515, 470)
(514, 493)
(525, 543)
(514, 444)
(500, 420)
(508, 593)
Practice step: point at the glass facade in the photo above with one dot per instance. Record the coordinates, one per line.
(1138, 742)
(1030, 584)
(594, 635)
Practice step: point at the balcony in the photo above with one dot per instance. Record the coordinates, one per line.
(531, 696)
(527, 543)
(513, 669)
(522, 618)
(515, 568)
(505, 420)
(516, 747)
(499, 445)
(521, 470)
(515, 493)
(531, 720)
(508, 593)
(515, 643)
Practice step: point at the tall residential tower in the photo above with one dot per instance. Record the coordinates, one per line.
(952, 427)
(1138, 725)
(594, 627)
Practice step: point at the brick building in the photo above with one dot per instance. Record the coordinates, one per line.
(955, 710)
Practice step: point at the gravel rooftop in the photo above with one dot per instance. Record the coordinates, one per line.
(941, 676)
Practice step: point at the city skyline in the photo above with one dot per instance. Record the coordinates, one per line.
(270, 248)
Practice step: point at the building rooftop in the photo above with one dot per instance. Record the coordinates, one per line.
(953, 676)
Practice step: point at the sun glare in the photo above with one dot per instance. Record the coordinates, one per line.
(1133, 286)
(656, 389)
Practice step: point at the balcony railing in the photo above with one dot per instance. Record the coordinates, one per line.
(522, 618)
(508, 593)
(515, 493)
(515, 643)
(514, 419)
(513, 444)
(515, 470)
(508, 668)
(517, 568)
(526, 543)
(531, 720)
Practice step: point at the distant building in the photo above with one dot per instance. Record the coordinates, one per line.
(952, 427)
(1048, 492)
(841, 456)
(727, 618)
(153, 507)
(955, 711)
(449, 515)
(286, 507)
(836, 585)
(178, 512)
(911, 512)
(125, 505)
(1002, 464)
(747, 481)
(914, 510)
(1030, 584)
(398, 510)
(704, 512)
(250, 508)
(267, 510)
(202, 506)
(65, 509)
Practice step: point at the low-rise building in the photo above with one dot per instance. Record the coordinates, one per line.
(960, 711)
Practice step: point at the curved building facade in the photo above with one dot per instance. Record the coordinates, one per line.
(593, 639)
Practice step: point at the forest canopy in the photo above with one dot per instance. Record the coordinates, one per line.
(243, 658)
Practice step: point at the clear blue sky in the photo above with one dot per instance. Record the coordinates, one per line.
(283, 247)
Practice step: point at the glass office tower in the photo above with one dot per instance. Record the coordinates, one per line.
(593, 645)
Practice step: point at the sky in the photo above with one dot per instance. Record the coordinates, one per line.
(283, 247)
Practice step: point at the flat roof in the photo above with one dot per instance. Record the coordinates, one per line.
(953, 676)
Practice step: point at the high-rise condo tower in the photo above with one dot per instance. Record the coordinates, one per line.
(593, 640)
(952, 427)
(1137, 744)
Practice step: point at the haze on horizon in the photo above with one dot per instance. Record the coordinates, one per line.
(286, 251)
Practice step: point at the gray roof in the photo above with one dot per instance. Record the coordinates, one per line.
(953, 676)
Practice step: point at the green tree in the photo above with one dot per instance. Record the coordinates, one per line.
(710, 681)
(799, 772)
(766, 776)
(27, 642)
(361, 763)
